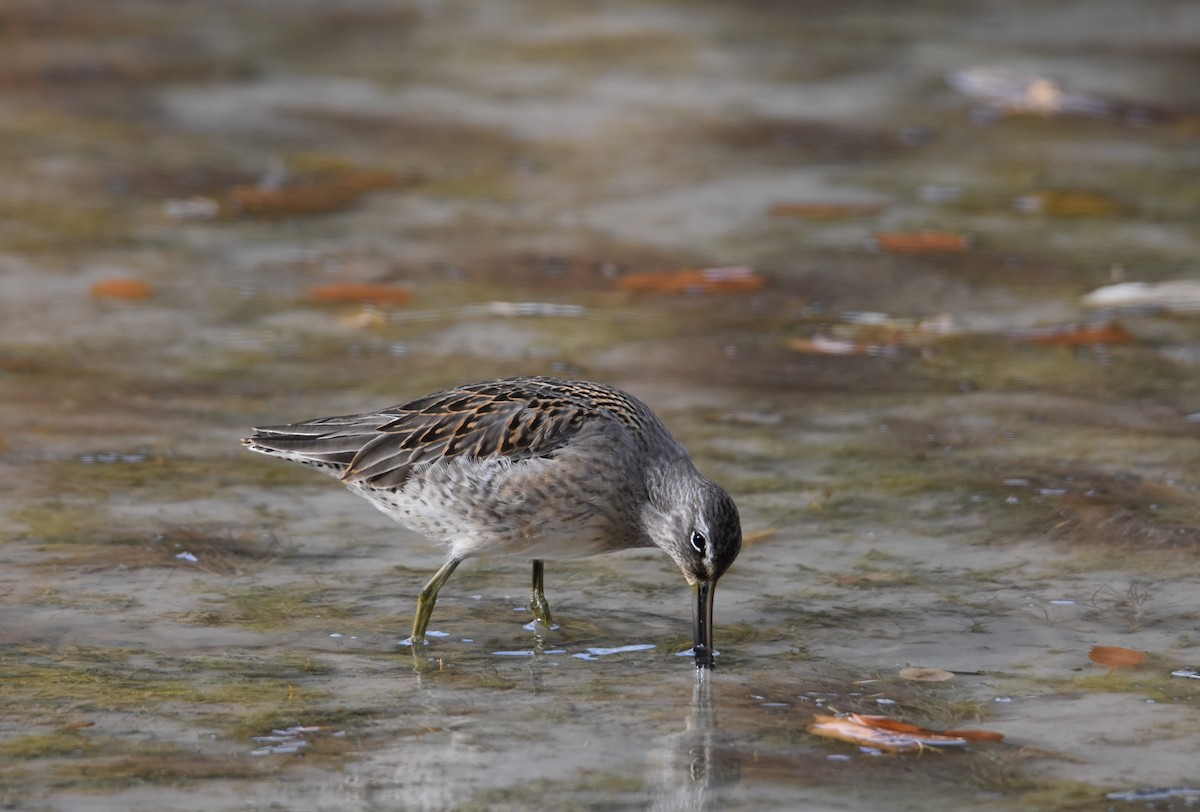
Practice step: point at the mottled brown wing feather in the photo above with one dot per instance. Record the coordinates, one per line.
(517, 419)
(327, 441)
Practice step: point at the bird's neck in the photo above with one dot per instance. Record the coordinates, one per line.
(667, 478)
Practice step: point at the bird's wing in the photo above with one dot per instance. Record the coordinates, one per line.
(514, 418)
(328, 442)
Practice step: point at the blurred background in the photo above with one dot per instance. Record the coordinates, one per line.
(917, 283)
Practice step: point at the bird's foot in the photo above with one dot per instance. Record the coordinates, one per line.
(539, 626)
(541, 609)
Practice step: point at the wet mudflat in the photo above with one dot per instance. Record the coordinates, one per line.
(844, 250)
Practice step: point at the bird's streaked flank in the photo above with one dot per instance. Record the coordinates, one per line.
(534, 467)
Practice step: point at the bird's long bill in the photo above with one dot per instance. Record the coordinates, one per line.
(702, 622)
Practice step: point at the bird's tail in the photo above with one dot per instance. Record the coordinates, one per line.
(329, 443)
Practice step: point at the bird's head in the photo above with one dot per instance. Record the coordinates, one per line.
(696, 523)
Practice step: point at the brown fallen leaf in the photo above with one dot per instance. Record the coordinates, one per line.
(361, 292)
(875, 334)
(1074, 335)
(925, 674)
(122, 287)
(1116, 656)
(891, 735)
(885, 723)
(738, 279)
(315, 197)
(920, 242)
(845, 728)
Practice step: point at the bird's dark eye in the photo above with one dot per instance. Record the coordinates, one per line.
(698, 541)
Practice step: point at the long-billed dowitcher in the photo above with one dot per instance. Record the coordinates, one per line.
(534, 467)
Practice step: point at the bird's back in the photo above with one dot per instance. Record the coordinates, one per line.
(511, 418)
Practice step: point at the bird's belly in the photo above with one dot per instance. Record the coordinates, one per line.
(476, 511)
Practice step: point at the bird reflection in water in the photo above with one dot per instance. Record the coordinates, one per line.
(692, 765)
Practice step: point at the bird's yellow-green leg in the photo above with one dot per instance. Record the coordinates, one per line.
(427, 599)
(537, 596)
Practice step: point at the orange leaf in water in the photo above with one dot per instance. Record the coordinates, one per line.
(847, 729)
(695, 280)
(122, 287)
(1116, 656)
(920, 242)
(894, 725)
(315, 197)
(892, 735)
(361, 292)
(1075, 335)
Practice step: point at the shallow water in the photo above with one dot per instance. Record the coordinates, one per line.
(926, 476)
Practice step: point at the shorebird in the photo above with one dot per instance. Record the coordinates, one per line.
(534, 467)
